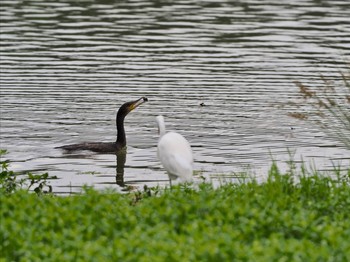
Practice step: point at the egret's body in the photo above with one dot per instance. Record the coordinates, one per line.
(175, 154)
(120, 143)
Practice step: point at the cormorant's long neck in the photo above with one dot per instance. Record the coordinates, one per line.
(121, 138)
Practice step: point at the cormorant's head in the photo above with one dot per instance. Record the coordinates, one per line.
(127, 107)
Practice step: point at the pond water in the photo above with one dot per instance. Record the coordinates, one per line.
(67, 66)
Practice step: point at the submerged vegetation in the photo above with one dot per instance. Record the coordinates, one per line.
(289, 217)
(328, 107)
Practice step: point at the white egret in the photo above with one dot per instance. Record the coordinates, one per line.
(175, 154)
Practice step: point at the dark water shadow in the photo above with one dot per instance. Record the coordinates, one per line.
(121, 159)
(119, 164)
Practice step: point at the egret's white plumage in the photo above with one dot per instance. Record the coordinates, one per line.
(175, 154)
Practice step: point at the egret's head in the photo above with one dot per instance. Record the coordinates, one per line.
(161, 125)
(127, 107)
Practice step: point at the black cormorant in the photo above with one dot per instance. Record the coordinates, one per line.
(110, 147)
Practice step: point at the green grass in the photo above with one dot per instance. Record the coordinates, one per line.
(283, 219)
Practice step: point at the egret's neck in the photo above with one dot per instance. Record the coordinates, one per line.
(161, 126)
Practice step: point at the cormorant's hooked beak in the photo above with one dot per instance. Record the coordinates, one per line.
(138, 103)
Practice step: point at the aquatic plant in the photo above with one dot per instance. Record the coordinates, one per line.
(11, 182)
(328, 107)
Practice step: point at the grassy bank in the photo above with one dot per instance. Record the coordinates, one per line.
(279, 220)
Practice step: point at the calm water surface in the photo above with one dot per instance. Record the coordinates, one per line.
(67, 66)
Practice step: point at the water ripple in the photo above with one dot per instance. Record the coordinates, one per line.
(67, 66)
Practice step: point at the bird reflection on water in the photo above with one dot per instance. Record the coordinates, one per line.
(121, 159)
